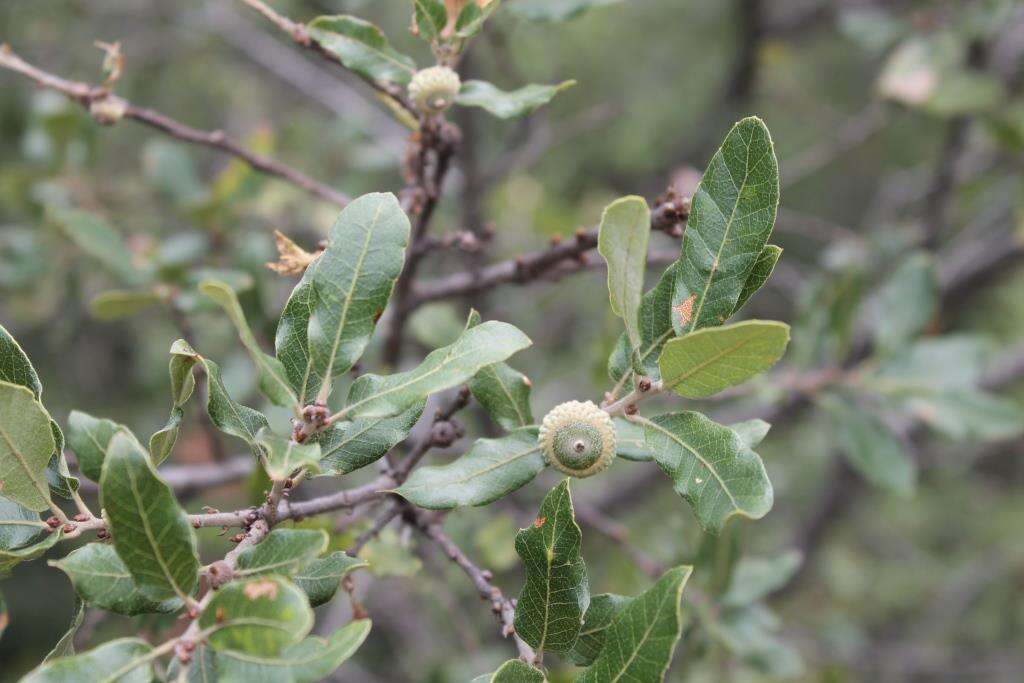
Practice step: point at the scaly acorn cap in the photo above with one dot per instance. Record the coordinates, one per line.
(578, 438)
(433, 89)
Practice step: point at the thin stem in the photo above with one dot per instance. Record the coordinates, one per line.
(86, 94)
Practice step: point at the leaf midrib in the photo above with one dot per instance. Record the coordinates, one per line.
(686, 446)
(356, 274)
(42, 490)
(712, 359)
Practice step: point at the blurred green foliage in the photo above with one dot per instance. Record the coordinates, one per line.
(105, 234)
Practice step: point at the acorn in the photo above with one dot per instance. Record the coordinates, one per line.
(578, 438)
(434, 89)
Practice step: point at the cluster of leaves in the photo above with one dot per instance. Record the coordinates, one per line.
(325, 327)
(362, 47)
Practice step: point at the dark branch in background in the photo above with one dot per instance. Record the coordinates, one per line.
(427, 162)
(93, 97)
(667, 217)
(937, 207)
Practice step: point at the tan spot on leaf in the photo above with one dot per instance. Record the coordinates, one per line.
(260, 589)
(539, 522)
(685, 310)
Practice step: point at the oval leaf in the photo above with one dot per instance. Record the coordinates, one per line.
(550, 610)
(491, 469)
(260, 616)
(362, 47)
(710, 467)
(731, 217)
(102, 580)
(283, 551)
(126, 660)
(645, 634)
(704, 362)
(478, 347)
(622, 241)
(26, 445)
(152, 534)
(507, 105)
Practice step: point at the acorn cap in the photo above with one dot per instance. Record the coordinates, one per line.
(578, 438)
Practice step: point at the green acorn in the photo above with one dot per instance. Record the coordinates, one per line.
(578, 438)
(434, 89)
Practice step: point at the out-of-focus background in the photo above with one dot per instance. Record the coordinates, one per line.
(899, 128)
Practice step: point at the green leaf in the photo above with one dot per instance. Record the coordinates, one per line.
(870, 446)
(273, 379)
(472, 17)
(115, 304)
(710, 467)
(362, 47)
(645, 634)
(391, 555)
(622, 241)
(283, 551)
(550, 610)
(11, 558)
(284, 456)
(313, 659)
(65, 647)
(554, 10)
(513, 671)
(936, 364)
(702, 363)
(88, 437)
(508, 104)
(19, 526)
(16, 368)
(183, 383)
(655, 330)
(907, 303)
(491, 469)
(26, 445)
(259, 616)
(752, 432)
(505, 394)
(126, 660)
(749, 633)
(754, 578)
(480, 346)
(227, 415)
(602, 611)
(102, 580)
(759, 274)
(331, 315)
(431, 17)
(630, 441)
(152, 534)
(100, 241)
(969, 415)
(320, 578)
(731, 218)
(348, 446)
